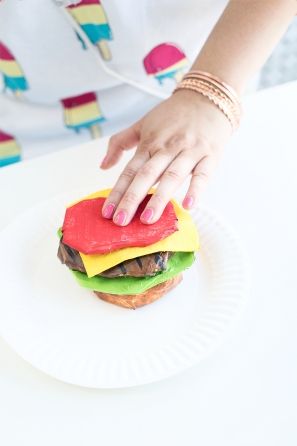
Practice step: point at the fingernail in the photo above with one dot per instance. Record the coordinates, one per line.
(108, 211)
(188, 202)
(102, 162)
(120, 218)
(147, 215)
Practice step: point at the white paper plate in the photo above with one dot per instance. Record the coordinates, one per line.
(68, 333)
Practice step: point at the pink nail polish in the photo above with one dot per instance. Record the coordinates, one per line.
(108, 211)
(102, 162)
(120, 218)
(188, 202)
(147, 215)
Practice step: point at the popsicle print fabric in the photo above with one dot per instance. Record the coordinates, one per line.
(83, 112)
(9, 150)
(13, 75)
(165, 61)
(91, 16)
(151, 44)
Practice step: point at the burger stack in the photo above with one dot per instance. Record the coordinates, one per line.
(130, 266)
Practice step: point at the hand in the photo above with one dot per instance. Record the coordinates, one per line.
(186, 134)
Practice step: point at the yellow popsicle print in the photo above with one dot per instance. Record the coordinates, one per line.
(91, 17)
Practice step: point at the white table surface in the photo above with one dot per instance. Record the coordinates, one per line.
(243, 394)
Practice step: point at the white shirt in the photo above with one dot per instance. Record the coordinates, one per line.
(147, 41)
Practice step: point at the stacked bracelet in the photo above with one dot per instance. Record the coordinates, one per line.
(217, 91)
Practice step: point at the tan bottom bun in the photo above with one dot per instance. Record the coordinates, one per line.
(139, 300)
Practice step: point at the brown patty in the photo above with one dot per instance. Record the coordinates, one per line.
(142, 266)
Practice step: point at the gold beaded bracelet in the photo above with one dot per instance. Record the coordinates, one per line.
(220, 93)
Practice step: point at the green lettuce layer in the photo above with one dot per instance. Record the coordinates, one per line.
(135, 285)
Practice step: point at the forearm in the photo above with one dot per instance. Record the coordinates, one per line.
(243, 39)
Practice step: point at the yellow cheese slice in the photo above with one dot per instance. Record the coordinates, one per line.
(185, 239)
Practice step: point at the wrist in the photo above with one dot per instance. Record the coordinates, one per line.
(216, 91)
(191, 102)
(238, 83)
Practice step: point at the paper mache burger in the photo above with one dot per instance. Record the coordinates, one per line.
(130, 266)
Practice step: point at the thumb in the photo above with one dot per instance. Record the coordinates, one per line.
(124, 140)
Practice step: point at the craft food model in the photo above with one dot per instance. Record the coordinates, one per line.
(130, 266)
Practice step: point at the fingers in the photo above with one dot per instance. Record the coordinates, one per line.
(141, 179)
(142, 172)
(181, 167)
(123, 183)
(125, 140)
(200, 179)
(171, 179)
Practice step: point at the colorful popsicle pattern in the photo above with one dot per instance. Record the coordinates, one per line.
(91, 16)
(165, 61)
(13, 75)
(9, 150)
(83, 112)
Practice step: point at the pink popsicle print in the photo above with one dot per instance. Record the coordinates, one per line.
(9, 149)
(165, 61)
(83, 112)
